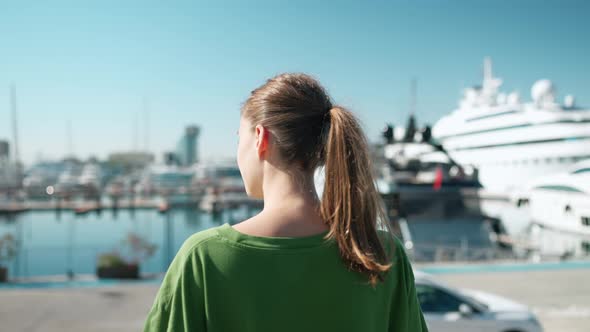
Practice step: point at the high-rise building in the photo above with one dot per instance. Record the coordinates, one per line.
(187, 149)
(4, 150)
(10, 171)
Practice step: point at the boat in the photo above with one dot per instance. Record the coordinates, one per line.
(224, 187)
(559, 208)
(433, 201)
(10, 173)
(168, 180)
(509, 141)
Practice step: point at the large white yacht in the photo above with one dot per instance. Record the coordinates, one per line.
(509, 141)
(559, 206)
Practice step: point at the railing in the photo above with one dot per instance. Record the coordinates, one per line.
(51, 260)
(443, 253)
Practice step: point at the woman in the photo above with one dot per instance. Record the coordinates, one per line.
(302, 264)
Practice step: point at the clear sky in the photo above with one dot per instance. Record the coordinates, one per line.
(195, 62)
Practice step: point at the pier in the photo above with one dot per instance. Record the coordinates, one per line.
(211, 205)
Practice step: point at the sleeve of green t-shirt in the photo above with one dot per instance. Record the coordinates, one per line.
(179, 304)
(406, 314)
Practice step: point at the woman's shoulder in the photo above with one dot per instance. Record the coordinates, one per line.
(199, 241)
(391, 243)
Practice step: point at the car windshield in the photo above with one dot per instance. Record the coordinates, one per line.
(436, 299)
(476, 302)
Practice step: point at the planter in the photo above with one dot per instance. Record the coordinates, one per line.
(129, 271)
(3, 274)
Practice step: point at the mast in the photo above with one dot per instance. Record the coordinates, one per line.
(146, 125)
(13, 107)
(69, 139)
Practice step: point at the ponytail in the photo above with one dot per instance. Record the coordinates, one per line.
(350, 202)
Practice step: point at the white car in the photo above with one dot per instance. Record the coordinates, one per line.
(448, 309)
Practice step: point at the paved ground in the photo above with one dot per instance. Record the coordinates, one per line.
(561, 299)
(110, 308)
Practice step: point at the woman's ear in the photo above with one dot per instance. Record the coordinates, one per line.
(262, 138)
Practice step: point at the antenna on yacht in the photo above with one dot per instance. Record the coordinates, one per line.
(413, 98)
(411, 127)
(487, 69)
(490, 83)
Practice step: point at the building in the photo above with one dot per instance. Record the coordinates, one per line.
(171, 159)
(131, 160)
(187, 150)
(10, 172)
(4, 150)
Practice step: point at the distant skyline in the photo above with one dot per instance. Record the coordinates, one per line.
(96, 67)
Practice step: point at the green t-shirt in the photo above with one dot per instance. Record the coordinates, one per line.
(222, 280)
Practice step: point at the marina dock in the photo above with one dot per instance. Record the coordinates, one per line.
(82, 207)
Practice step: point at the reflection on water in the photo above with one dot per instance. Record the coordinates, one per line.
(56, 243)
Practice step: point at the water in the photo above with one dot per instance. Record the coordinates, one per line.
(55, 243)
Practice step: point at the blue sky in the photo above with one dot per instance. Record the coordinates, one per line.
(92, 63)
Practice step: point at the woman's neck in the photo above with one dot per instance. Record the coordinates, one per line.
(291, 208)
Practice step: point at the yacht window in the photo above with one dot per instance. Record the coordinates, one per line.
(490, 115)
(559, 188)
(586, 247)
(582, 170)
(524, 125)
(586, 221)
(477, 147)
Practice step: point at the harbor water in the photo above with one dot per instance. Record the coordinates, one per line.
(65, 243)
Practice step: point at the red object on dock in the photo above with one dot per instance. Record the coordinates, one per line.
(438, 178)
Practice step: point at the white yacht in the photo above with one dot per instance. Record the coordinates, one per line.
(223, 185)
(9, 175)
(509, 141)
(90, 176)
(432, 201)
(559, 206)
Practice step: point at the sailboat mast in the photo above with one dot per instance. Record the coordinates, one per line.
(13, 107)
